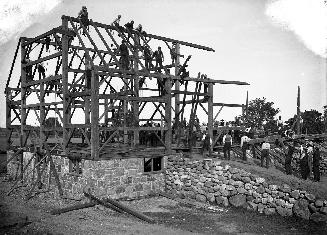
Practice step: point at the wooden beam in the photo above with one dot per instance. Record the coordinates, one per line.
(49, 57)
(149, 35)
(37, 82)
(228, 105)
(32, 40)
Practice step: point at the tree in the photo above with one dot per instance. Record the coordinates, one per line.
(52, 122)
(261, 113)
(312, 122)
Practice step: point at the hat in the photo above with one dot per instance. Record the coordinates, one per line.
(84, 7)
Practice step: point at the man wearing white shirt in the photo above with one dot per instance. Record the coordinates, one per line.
(265, 153)
(244, 145)
(227, 141)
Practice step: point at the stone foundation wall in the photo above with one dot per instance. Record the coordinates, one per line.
(209, 181)
(117, 178)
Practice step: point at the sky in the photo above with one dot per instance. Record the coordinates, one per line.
(273, 45)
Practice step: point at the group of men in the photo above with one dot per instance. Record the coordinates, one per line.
(309, 155)
(308, 158)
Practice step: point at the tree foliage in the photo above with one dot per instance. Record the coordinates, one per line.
(260, 112)
(312, 122)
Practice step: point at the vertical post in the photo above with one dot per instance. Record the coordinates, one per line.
(66, 113)
(136, 92)
(95, 115)
(177, 83)
(42, 114)
(23, 104)
(8, 109)
(125, 109)
(168, 136)
(298, 113)
(210, 116)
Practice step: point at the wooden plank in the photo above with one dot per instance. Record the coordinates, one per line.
(228, 105)
(53, 170)
(106, 202)
(32, 40)
(210, 115)
(37, 82)
(72, 208)
(121, 207)
(49, 57)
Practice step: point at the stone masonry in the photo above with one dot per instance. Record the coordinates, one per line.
(208, 181)
(117, 178)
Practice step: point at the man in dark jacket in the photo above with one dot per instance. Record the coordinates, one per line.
(288, 159)
(124, 55)
(316, 163)
(159, 57)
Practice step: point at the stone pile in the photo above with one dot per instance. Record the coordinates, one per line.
(210, 181)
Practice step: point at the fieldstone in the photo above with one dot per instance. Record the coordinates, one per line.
(280, 202)
(312, 208)
(319, 203)
(224, 193)
(283, 211)
(238, 200)
(264, 200)
(231, 182)
(292, 200)
(200, 198)
(265, 195)
(301, 209)
(260, 190)
(203, 179)
(310, 197)
(210, 197)
(253, 177)
(233, 170)
(238, 184)
(265, 184)
(246, 179)
(269, 211)
(219, 200)
(241, 191)
(295, 194)
(274, 193)
(318, 218)
(251, 206)
(287, 196)
(323, 210)
(230, 187)
(270, 199)
(248, 186)
(256, 194)
(233, 192)
(219, 168)
(261, 207)
(236, 177)
(225, 202)
(281, 194)
(289, 205)
(268, 190)
(259, 180)
(249, 192)
(249, 198)
(220, 173)
(273, 187)
(285, 188)
(257, 200)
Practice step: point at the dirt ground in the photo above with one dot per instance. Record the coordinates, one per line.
(171, 218)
